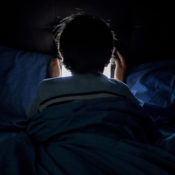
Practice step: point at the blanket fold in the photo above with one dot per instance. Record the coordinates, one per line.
(102, 136)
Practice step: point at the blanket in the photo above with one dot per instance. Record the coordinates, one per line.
(103, 136)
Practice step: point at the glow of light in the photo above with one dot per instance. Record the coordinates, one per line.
(107, 70)
(66, 73)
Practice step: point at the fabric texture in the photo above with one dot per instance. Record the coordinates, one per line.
(78, 85)
(153, 83)
(154, 86)
(99, 136)
(20, 75)
(102, 136)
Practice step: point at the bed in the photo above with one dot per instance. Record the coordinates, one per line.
(29, 146)
(60, 141)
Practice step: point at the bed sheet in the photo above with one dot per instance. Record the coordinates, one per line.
(20, 74)
(154, 86)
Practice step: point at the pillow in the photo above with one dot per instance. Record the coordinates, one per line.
(154, 86)
(153, 83)
(20, 75)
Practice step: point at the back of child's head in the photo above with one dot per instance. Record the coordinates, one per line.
(86, 43)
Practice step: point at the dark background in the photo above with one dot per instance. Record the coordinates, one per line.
(145, 29)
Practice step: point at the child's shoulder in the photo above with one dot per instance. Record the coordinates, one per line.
(54, 80)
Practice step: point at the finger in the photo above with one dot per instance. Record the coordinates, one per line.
(118, 62)
(122, 60)
(54, 61)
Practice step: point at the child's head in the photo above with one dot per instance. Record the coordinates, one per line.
(85, 42)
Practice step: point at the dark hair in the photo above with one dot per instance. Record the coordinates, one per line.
(86, 42)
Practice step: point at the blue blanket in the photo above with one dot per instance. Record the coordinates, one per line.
(99, 137)
(107, 136)
(102, 136)
(154, 86)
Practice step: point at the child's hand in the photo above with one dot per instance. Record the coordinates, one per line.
(120, 67)
(54, 68)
